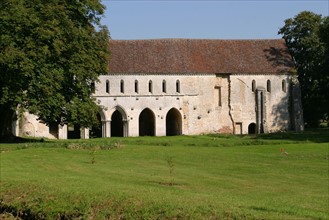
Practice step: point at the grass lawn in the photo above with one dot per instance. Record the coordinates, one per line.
(274, 176)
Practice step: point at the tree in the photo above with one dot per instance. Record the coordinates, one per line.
(51, 53)
(324, 68)
(302, 36)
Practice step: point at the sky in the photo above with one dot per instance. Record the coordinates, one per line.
(202, 19)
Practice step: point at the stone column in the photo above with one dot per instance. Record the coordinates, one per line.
(62, 131)
(260, 111)
(108, 128)
(84, 133)
(125, 127)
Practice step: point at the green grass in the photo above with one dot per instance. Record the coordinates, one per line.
(274, 176)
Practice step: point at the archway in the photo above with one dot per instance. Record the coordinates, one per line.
(73, 131)
(96, 130)
(173, 123)
(252, 128)
(117, 124)
(146, 123)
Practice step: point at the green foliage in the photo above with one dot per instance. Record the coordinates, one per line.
(306, 36)
(233, 177)
(51, 51)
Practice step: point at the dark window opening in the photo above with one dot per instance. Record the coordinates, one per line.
(177, 86)
(253, 86)
(268, 86)
(150, 86)
(164, 86)
(122, 88)
(136, 86)
(107, 86)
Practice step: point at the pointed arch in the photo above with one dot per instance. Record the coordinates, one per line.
(146, 123)
(119, 123)
(173, 122)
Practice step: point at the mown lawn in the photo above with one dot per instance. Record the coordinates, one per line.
(275, 176)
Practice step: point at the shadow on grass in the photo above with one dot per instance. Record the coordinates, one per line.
(320, 135)
(14, 140)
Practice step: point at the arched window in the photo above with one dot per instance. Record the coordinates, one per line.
(136, 86)
(253, 85)
(268, 87)
(177, 86)
(150, 86)
(107, 86)
(284, 86)
(164, 86)
(122, 86)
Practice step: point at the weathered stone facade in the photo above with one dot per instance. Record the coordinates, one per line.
(173, 87)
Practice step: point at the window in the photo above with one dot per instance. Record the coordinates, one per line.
(136, 86)
(107, 86)
(284, 86)
(150, 86)
(268, 87)
(253, 86)
(219, 95)
(177, 86)
(122, 88)
(164, 86)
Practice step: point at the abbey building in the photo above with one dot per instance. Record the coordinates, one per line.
(188, 86)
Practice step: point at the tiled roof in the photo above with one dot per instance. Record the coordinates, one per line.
(192, 56)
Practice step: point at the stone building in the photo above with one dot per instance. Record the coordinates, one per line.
(189, 86)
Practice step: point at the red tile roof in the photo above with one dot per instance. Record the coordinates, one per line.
(192, 56)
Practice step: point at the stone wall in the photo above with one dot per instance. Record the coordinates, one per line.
(276, 100)
(195, 104)
(196, 100)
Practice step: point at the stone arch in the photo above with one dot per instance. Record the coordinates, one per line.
(146, 123)
(252, 128)
(119, 124)
(173, 122)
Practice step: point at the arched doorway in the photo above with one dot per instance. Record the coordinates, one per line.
(146, 123)
(73, 131)
(252, 128)
(173, 122)
(96, 130)
(117, 124)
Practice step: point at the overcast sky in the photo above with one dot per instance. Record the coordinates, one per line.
(215, 19)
